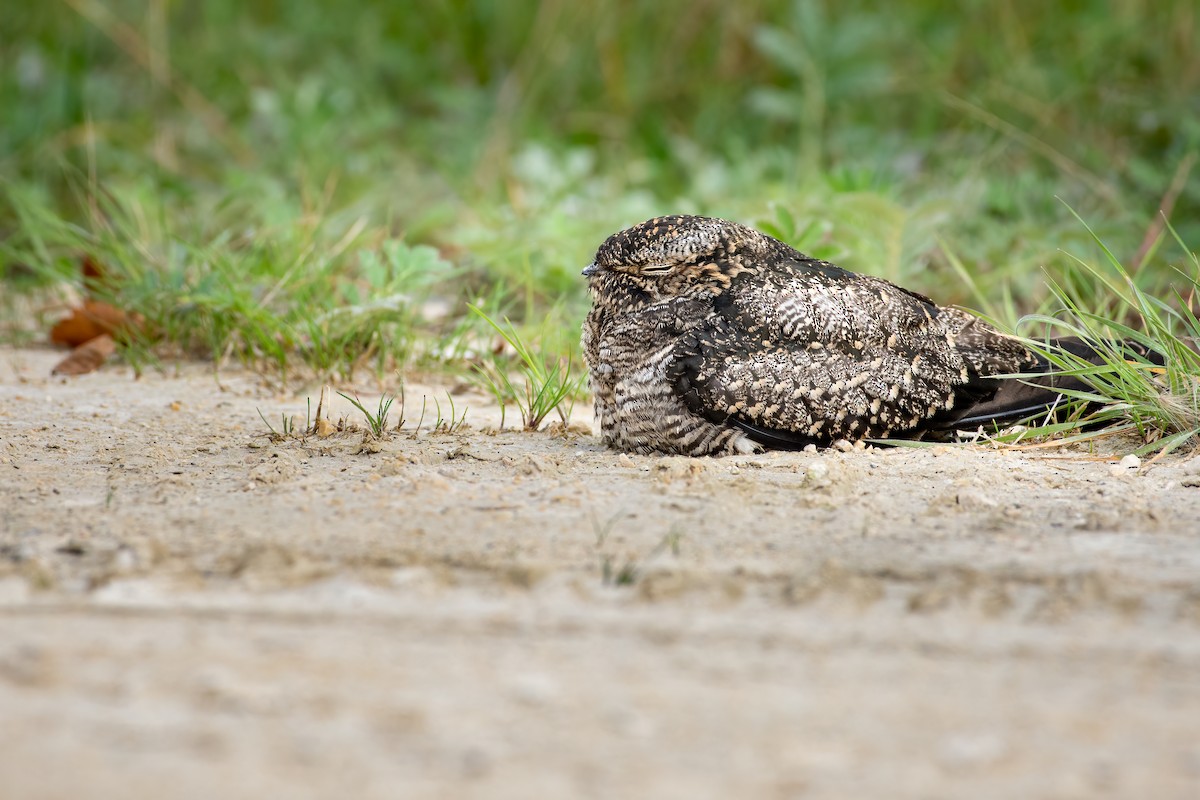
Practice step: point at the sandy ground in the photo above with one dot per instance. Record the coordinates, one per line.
(188, 609)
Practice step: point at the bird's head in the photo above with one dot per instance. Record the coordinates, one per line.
(676, 255)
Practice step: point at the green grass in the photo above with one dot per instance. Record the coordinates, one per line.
(286, 429)
(320, 196)
(547, 385)
(1130, 392)
(312, 292)
(377, 423)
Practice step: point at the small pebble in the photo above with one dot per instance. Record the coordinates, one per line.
(843, 445)
(1129, 463)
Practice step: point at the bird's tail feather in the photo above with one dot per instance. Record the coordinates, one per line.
(993, 402)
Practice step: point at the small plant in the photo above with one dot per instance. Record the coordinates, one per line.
(631, 571)
(454, 423)
(377, 422)
(1159, 402)
(602, 530)
(547, 385)
(417, 428)
(626, 575)
(286, 427)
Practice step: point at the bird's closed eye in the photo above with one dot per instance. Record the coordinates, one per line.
(655, 269)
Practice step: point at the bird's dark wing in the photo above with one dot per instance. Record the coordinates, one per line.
(808, 353)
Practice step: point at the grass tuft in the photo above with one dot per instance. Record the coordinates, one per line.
(1104, 305)
(377, 422)
(286, 429)
(548, 385)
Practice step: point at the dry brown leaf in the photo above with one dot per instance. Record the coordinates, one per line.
(93, 319)
(90, 328)
(87, 357)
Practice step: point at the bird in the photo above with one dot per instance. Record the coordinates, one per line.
(707, 337)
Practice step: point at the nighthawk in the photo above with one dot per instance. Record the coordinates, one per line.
(706, 337)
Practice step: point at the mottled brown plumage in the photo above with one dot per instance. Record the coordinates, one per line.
(707, 337)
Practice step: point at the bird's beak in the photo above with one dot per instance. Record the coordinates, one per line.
(590, 270)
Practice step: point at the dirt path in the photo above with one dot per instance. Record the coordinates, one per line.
(189, 609)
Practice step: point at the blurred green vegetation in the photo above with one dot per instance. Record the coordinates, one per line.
(261, 177)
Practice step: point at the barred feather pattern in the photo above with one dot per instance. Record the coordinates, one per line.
(707, 337)
(629, 357)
